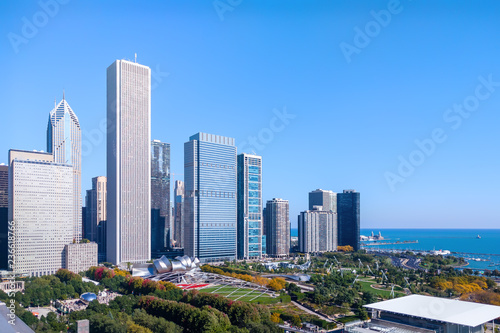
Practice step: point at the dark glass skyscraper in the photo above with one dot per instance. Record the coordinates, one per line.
(249, 206)
(210, 197)
(348, 218)
(160, 195)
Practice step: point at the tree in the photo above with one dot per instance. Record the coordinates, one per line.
(277, 284)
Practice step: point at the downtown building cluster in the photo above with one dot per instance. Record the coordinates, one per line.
(218, 212)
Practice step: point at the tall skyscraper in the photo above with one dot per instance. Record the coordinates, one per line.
(348, 218)
(326, 199)
(129, 162)
(40, 204)
(210, 197)
(160, 195)
(96, 214)
(277, 227)
(4, 207)
(249, 206)
(179, 213)
(317, 230)
(64, 142)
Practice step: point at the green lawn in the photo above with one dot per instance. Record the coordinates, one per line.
(225, 291)
(366, 286)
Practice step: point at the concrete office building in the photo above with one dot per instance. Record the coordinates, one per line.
(160, 195)
(348, 212)
(40, 204)
(128, 162)
(64, 142)
(96, 214)
(249, 206)
(178, 213)
(210, 197)
(325, 199)
(277, 227)
(317, 230)
(80, 257)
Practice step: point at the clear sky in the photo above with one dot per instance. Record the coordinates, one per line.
(333, 93)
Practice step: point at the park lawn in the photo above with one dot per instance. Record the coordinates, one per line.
(386, 294)
(225, 291)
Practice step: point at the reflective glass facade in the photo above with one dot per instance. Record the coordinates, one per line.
(249, 206)
(64, 141)
(210, 197)
(349, 218)
(160, 195)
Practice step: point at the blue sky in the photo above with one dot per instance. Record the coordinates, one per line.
(355, 84)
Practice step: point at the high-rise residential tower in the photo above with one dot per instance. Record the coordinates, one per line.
(64, 142)
(96, 214)
(325, 199)
(210, 197)
(277, 227)
(178, 213)
(317, 230)
(249, 206)
(348, 218)
(4, 207)
(128, 162)
(40, 204)
(160, 195)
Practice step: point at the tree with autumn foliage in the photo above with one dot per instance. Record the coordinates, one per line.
(277, 284)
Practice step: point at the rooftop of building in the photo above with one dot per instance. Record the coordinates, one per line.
(440, 309)
(6, 327)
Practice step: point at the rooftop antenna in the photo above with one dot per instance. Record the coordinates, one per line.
(63, 94)
(135, 57)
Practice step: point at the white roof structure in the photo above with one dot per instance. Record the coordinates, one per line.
(440, 309)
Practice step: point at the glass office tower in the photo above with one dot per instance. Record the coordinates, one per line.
(160, 195)
(325, 199)
(210, 197)
(348, 218)
(249, 206)
(64, 141)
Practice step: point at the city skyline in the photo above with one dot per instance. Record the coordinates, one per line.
(244, 89)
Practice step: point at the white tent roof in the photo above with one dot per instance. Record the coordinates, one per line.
(440, 309)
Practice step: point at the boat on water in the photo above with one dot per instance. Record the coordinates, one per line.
(478, 237)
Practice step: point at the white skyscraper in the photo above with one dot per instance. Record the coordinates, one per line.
(40, 204)
(318, 230)
(129, 162)
(64, 141)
